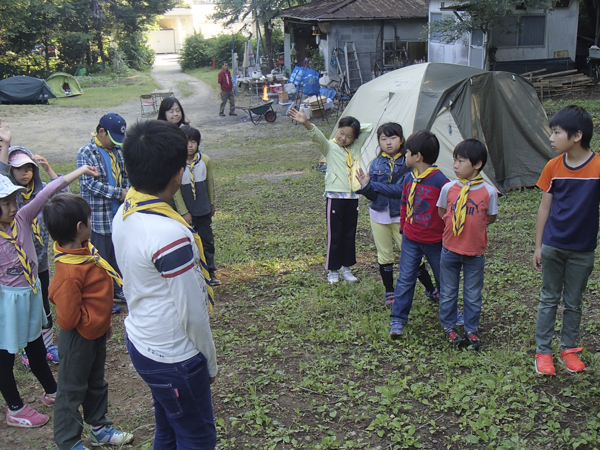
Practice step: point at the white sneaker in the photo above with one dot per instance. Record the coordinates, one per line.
(333, 276)
(347, 274)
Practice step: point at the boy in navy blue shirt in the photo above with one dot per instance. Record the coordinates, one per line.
(566, 235)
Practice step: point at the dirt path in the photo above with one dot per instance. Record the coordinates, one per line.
(57, 132)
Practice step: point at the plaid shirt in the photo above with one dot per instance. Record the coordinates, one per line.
(97, 190)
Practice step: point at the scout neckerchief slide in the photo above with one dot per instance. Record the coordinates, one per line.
(35, 225)
(114, 165)
(392, 162)
(190, 165)
(416, 179)
(460, 210)
(136, 201)
(25, 261)
(93, 257)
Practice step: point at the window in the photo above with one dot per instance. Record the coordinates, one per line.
(520, 31)
(477, 38)
(436, 17)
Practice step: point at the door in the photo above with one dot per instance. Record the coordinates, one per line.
(477, 49)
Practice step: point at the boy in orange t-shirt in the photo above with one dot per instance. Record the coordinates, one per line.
(467, 206)
(82, 290)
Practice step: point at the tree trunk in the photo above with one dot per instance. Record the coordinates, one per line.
(269, 45)
(47, 57)
(100, 46)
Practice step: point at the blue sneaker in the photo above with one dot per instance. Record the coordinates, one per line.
(25, 359)
(434, 295)
(460, 319)
(109, 436)
(79, 446)
(396, 328)
(116, 308)
(52, 353)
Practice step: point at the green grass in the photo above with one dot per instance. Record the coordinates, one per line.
(103, 91)
(306, 365)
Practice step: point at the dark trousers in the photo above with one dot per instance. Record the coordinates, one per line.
(36, 352)
(225, 96)
(104, 245)
(45, 282)
(80, 382)
(183, 411)
(342, 217)
(203, 226)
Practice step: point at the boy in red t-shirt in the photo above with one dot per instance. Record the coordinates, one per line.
(566, 235)
(226, 83)
(467, 205)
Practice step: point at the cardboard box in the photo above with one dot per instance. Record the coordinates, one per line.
(283, 97)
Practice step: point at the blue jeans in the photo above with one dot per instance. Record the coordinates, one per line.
(472, 267)
(410, 260)
(565, 275)
(182, 404)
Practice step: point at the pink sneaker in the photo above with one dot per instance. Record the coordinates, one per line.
(26, 418)
(49, 399)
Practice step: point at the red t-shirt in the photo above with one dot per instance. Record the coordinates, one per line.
(225, 81)
(482, 202)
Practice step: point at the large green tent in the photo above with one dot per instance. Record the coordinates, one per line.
(64, 85)
(459, 102)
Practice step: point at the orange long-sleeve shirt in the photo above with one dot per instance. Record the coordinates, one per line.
(83, 295)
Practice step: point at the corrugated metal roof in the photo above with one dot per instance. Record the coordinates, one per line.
(358, 10)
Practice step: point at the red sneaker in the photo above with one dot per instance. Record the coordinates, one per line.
(544, 365)
(571, 360)
(26, 418)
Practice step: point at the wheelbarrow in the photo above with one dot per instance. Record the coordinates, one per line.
(258, 112)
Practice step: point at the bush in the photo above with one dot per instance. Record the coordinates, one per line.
(194, 53)
(199, 52)
(138, 55)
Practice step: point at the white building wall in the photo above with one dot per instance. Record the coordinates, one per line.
(561, 32)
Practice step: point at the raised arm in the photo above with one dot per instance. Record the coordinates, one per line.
(5, 137)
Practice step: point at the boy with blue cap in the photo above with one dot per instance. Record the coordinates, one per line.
(106, 192)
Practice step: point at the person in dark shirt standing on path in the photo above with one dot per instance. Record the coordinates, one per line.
(226, 90)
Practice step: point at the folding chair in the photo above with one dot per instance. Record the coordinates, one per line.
(147, 105)
(159, 97)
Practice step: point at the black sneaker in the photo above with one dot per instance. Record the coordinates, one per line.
(454, 337)
(473, 341)
(214, 281)
(221, 114)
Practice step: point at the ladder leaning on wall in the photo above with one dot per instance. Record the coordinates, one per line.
(355, 79)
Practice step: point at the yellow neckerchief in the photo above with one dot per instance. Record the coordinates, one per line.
(25, 261)
(392, 162)
(114, 165)
(93, 257)
(35, 225)
(190, 165)
(136, 201)
(460, 209)
(416, 179)
(349, 164)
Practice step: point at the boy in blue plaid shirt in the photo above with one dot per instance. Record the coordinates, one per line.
(106, 192)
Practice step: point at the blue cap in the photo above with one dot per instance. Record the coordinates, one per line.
(115, 126)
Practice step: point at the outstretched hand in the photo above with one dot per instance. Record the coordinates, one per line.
(5, 134)
(362, 177)
(89, 170)
(298, 116)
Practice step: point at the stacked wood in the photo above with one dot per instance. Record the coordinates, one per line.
(558, 83)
